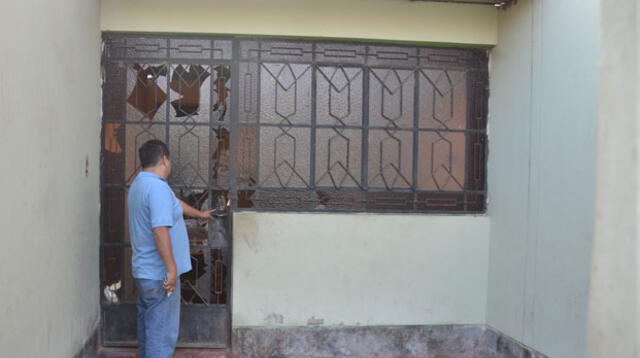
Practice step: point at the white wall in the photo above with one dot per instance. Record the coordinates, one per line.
(359, 269)
(614, 312)
(49, 128)
(543, 110)
(396, 20)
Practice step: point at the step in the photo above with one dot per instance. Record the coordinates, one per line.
(105, 352)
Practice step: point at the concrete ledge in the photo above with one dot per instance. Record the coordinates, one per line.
(442, 341)
(499, 345)
(180, 353)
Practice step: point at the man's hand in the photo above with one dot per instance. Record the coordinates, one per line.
(170, 281)
(195, 213)
(205, 215)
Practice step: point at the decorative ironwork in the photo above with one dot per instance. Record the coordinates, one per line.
(355, 127)
(284, 125)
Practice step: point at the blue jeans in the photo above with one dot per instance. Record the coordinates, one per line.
(158, 319)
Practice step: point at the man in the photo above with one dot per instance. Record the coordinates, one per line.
(160, 250)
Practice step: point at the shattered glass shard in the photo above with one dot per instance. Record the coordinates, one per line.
(147, 96)
(187, 83)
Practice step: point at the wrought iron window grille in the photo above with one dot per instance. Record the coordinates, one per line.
(302, 125)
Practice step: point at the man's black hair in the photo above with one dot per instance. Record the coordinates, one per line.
(151, 152)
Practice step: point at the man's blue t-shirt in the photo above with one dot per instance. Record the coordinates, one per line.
(152, 203)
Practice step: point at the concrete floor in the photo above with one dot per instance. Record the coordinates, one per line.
(215, 353)
(442, 341)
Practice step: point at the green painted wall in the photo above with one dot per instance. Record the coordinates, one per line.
(359, 269)
(543, 111)
(396, 20)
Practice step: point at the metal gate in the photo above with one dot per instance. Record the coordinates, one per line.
(281, 125)
(182, 98)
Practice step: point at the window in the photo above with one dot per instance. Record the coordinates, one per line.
(302, 125)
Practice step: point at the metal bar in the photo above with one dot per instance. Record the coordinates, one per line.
(258, 116)
(292, 41)
(147, 122)
(174, 186)
(229, 277)
(210, 169)
(169, 61)
(416, 125)
(469, 89)
(377, 211)
(365, 126)
(326, 126)
(312, 145)
(235, 112)
(123, 160)
(115, 244)
(443, 66)
(358, 190)
(167, 138)
(125, 245)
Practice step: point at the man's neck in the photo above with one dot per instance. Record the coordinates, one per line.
(155, 170)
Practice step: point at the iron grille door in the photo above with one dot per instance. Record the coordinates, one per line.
(286, 126)
(177, 90)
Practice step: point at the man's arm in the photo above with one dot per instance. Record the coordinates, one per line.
(163, 244)
(195, 213)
